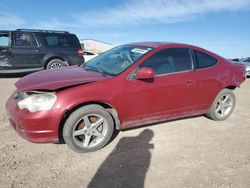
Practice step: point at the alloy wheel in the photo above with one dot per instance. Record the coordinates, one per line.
(90, 130)
(224, 105)
(56, 65)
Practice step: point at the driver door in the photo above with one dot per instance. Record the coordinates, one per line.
(172, 92)
(25, 52)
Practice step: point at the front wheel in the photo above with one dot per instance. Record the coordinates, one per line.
(89, 128)
(222, 106)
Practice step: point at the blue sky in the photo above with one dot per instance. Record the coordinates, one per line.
(222, 26)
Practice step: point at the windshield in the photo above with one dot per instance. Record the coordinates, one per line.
(245, 59)
(117, 60)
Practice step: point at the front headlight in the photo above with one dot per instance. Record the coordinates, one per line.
(36, 101)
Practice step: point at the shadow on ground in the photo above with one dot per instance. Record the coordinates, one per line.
(13, 75)
(127, 164)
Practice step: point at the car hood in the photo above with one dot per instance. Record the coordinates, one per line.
(58, 78)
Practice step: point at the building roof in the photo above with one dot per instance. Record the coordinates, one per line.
(96, 41)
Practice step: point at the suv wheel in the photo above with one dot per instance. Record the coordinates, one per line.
(56, 63)
(89, 128)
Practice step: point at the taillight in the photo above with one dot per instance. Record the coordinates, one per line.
(79, 52)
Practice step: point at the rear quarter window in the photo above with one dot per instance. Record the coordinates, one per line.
(204, 60)
(60, 41)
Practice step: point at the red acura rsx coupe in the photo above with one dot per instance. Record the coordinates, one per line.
(128, 86)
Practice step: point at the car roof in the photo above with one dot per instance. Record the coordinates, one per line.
(42, 31)
(162, 44)
(174, 45)
(4, 31)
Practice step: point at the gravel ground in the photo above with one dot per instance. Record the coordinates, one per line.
(194, 152)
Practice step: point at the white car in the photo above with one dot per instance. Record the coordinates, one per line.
(246, 62)
(88, 55)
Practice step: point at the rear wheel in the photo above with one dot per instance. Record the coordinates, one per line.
(222, 106)
(89, 128)
(56, 63)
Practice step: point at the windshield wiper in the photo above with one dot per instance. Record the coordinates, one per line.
(95, 69)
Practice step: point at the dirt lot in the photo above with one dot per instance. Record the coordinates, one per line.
(195, 152)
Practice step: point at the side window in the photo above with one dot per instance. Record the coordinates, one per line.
(52, 40)
(24, 40)
(204, 60)
(4, 40)
(60, 40)
(169, 61)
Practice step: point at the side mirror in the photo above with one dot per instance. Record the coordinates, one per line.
(145, 73)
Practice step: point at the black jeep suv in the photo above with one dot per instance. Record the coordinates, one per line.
(29, 50)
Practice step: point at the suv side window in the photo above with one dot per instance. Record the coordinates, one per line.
(59, 41)
(169, 61)
(24, 40)
(203, 60)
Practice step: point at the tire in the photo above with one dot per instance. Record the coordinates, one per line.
(88, 129)
(56, 63)
(223, 105)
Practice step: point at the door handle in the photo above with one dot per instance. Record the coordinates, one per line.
(36, 50)
(189, 82)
